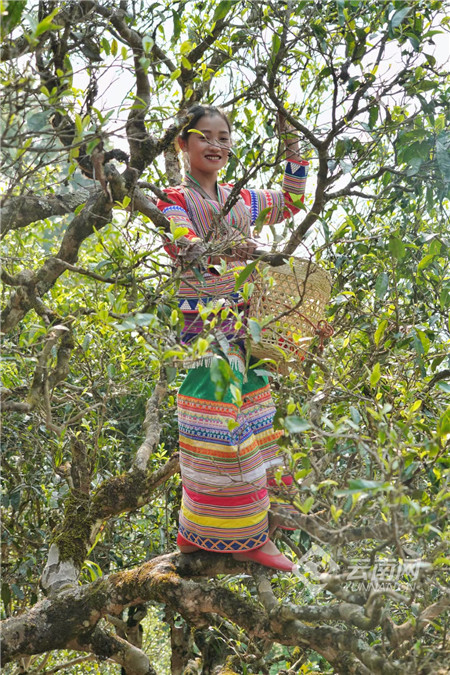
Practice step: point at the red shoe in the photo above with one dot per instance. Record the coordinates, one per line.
(277, 562)
(185, 546)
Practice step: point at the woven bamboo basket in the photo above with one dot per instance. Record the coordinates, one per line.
(294, 295)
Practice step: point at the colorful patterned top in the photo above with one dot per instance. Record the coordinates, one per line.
(202, 216)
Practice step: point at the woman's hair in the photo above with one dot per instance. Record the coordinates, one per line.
(198, 111)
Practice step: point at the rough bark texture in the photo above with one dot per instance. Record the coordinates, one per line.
(168, 580)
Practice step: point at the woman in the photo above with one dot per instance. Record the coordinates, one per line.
(228, 447)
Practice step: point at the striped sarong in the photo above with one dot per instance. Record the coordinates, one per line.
(226, 450)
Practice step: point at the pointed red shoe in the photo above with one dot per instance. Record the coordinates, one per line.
(185, 546)
(277, 562)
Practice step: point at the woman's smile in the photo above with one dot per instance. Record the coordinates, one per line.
(207, 147)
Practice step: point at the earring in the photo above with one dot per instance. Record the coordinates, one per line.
(186, 162)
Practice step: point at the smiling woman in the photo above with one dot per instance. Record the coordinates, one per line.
(207, 148)
(228, 447)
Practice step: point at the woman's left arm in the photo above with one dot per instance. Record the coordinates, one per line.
(280, 202)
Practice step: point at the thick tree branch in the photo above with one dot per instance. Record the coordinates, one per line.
(105, 644)
(17, 212)
(164, 580)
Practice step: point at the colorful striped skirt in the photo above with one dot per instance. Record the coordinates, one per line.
(226, 449)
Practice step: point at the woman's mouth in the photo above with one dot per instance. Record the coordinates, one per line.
(214, 158)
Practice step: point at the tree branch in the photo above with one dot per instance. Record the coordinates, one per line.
(163, 580)
(18, 212)
(94, 216)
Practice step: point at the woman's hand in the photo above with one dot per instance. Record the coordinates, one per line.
(245, 250)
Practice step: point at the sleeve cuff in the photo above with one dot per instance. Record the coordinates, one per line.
(295, 174)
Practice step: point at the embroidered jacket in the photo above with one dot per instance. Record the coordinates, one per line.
(191, 210)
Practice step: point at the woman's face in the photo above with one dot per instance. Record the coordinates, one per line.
(208, 150)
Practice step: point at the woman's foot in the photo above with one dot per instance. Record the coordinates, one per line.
(269, 556)
(185, 546)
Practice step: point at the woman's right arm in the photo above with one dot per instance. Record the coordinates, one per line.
(175, 210)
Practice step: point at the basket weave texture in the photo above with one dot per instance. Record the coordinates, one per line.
(297, 295)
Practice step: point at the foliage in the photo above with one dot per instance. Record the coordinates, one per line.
(91, 325)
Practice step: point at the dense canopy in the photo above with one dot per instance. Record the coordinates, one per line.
(94, 96)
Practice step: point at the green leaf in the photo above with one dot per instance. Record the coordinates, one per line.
(105, 44)
(221, 375)
(443, 159)
(414, 41)
(380, 331)
(424, 339)
(418, 346)
(354, 414)
(261, 219)
(341, 15)
(12, 17)
(362, 484)
(381, 285)
(276, 44)
(425, 262)
(444, 298)
(444, 423)
(243, 276)
(343, 229)
(255, 330)
(180, 232)
(95, 571)
(306, 506)
(222, 9)
(435, 247)
(397, 248)
(6, 593)
(199, 276)
(375, 375)
(373, 116)
(46, 24)
(399, 16)
(176, 25)
(185, 47)
(176, 74)
(295, 424)
(298, 201)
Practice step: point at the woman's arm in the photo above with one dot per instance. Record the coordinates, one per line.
(175, 210)
(280, 202)
(294, 181)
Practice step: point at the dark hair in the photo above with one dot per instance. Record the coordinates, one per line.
(196, 112)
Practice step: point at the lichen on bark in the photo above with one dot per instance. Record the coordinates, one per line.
(73, 538)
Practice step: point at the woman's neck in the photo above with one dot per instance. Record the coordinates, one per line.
(208, 182)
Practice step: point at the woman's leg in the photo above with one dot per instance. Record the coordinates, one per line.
(225, 450)
(225, 501)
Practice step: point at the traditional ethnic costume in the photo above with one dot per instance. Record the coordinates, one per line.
(224, 465)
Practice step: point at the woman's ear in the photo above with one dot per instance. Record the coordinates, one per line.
(180, 143)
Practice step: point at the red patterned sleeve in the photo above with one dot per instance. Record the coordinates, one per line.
(176, 211)
(280, 203)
